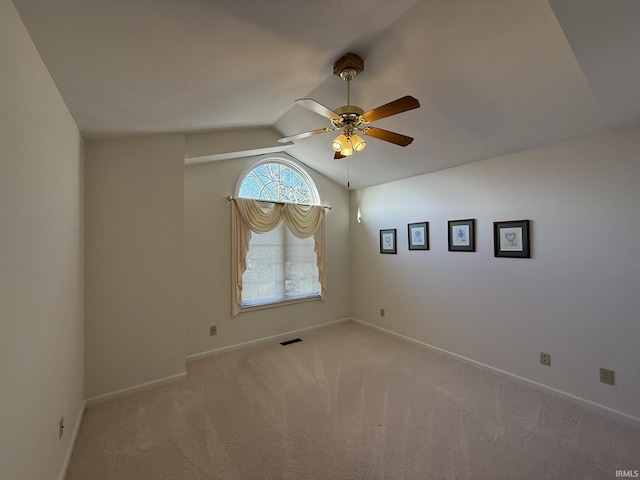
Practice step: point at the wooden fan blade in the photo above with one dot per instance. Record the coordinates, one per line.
(298, 136)
(338, 156)
(388, 136)
(318, 108)
(400, 105)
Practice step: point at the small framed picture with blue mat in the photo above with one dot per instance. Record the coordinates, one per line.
(418, 236)
(388, 241)
(462, 235)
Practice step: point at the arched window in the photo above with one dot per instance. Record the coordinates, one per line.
(280, 266)
(278, 179)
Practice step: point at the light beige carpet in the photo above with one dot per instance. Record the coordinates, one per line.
(347, 403)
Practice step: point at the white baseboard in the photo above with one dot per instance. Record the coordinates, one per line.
(181, 376)
(587, 404)
(279, 337)
(72, 441)
(135, 389)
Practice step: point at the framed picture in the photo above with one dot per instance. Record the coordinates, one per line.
(418, 236)
(462, 235)
(388, 241)
(511, 239)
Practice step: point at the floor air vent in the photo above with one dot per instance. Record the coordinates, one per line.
(289, 342)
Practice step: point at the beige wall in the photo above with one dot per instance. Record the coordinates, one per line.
(577, 298)
(157, 243)
(208, 257)
(41, 262)
(135, 311)
(153, 229)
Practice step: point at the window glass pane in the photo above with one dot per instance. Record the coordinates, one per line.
(262, 279)
(276, 182)
(280, 266)
(301, 270)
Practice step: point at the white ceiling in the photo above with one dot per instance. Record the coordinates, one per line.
(492, 76)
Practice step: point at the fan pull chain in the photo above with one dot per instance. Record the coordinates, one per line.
(348, 173)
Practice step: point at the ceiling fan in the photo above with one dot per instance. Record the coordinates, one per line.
(351, 119)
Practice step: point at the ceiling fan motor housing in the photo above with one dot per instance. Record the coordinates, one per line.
(349, 115)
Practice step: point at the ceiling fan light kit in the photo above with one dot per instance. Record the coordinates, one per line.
(339, 142)
(358, 143)
(350, 119)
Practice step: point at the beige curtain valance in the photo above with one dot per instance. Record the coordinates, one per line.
(248, 215)
(262, 217)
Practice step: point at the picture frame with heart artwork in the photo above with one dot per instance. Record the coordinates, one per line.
(511, 239)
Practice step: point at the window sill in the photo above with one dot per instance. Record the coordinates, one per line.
(280, 303)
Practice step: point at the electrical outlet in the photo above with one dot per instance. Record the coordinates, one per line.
(61, 427)
(213, 330)
(606, 376)
(382, 312)
(545, 359)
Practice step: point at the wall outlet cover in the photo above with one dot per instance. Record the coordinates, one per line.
(545, 359)
(607, 376)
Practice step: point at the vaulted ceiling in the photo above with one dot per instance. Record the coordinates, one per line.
(492, 76)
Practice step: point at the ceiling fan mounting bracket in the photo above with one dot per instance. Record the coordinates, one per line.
(348, 66)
